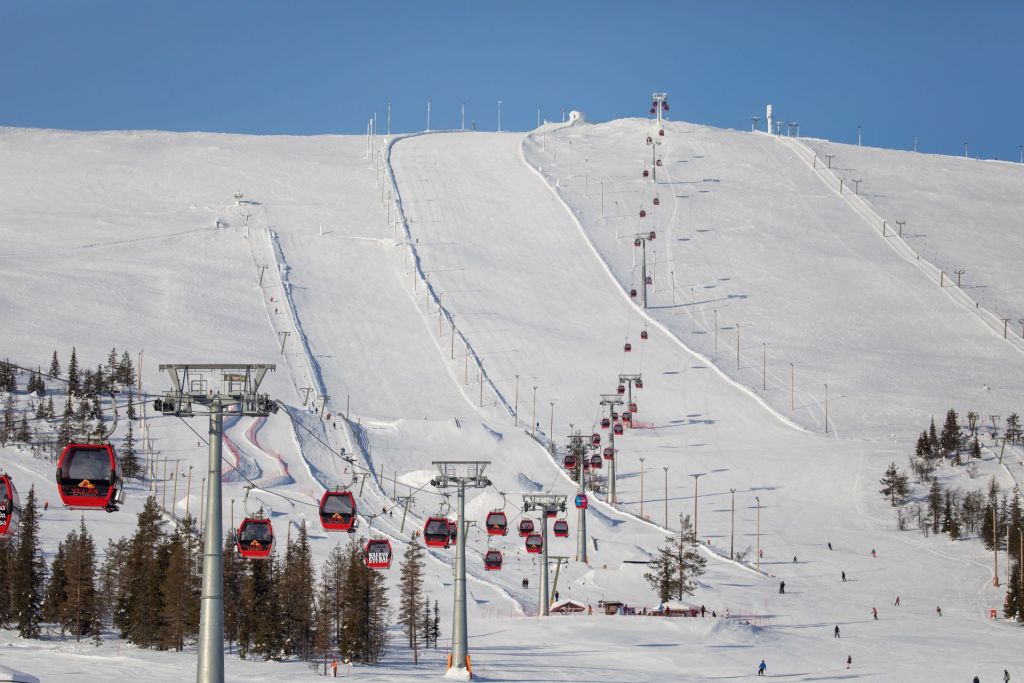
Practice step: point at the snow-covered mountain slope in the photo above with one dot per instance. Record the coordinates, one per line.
(748, 235)
(530, 297)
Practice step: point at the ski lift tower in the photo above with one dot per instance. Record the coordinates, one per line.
(547, 504)
(629, 381)
(611, 400)
(640, 239)
(214, 386)
(659, 103)
(460, 474)
(579, 447)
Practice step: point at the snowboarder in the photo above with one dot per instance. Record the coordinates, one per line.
(897, 603)
(702, 611)
(830, 545)
(844, 575)
(849, 661)
(835, 633)
(874, 613)
(794, 559)
(873, 554)
(977, 680)
(782, 587)
(590, 609)
(761, 667)
(938, 610)
(1006, 676)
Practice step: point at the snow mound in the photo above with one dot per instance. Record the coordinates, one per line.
(11, 676)
(577, 117)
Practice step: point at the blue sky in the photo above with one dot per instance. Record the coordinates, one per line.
(948, 72)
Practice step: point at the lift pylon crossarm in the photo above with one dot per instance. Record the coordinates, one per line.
(228, 383)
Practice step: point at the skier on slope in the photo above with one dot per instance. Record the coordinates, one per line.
(849, 661)
(761, 668)
(782, 587)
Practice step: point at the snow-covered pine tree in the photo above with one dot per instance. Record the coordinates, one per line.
(411, 595)
(140, 609)
(935, 502)
(126, 371)
(1013, 607)
(975, 447)
(894, 485)
(28, 571)
(1013, 428)
(74, 381)
(78, 612)
(678, 564)
(933, 439)
(435, 632)
(6, 613)
(54, 371)
(232, 589)
(130, 468)
(297, 593)
(949, 441)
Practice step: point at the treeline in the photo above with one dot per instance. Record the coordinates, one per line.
(987, 515)
(83, 390)
(147, 588)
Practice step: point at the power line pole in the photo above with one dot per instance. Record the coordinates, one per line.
(460, 474)
(666, 496)
(641, 488)
(214, 386)
(545, 503)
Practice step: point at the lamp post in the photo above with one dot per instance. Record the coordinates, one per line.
(666, 496)
(533, 422)
(551, 428)
(858, 136)
(696, 477)
(732, 526)
(641, 488)
(758, 558)
(499, 116)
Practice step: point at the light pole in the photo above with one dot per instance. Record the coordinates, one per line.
(792, 388)
(856, 182)
(602, 200)
(551, 428)
(764, 366)
(858, 136)
(533, 422)
(696, 477)
(666, 496)
(428, 113)
(499, 116)
(826, 408)
(965, 150)
(732, 526)
(515, 406)
(915, 143)
(758, 499)
(463, 124)
(828, 158)
(641, 488)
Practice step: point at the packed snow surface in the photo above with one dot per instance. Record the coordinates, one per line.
(464, 296)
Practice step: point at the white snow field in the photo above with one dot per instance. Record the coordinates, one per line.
(134, 240)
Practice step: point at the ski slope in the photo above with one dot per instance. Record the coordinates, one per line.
(493, 227)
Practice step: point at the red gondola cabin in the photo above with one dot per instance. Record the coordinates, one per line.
(628, 347)
(88, 477)
(569, 462)
(534, 543)
(618, 430)
(639, 384)
(661, 133)
(632, 293)
(496, 523)
(255, 538)
(595, 461)
(643, 213)
(632, 408)
(378, 553)
(643, 335)
(492, 560)
(437, 532)
(621, 389)
(605, 423)
(561, 528)
(581, 501)
(657, 202)
(609, 453)
(10, 509)
(595, 439)
(525, 527)
(646, 173)
(338, 511)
